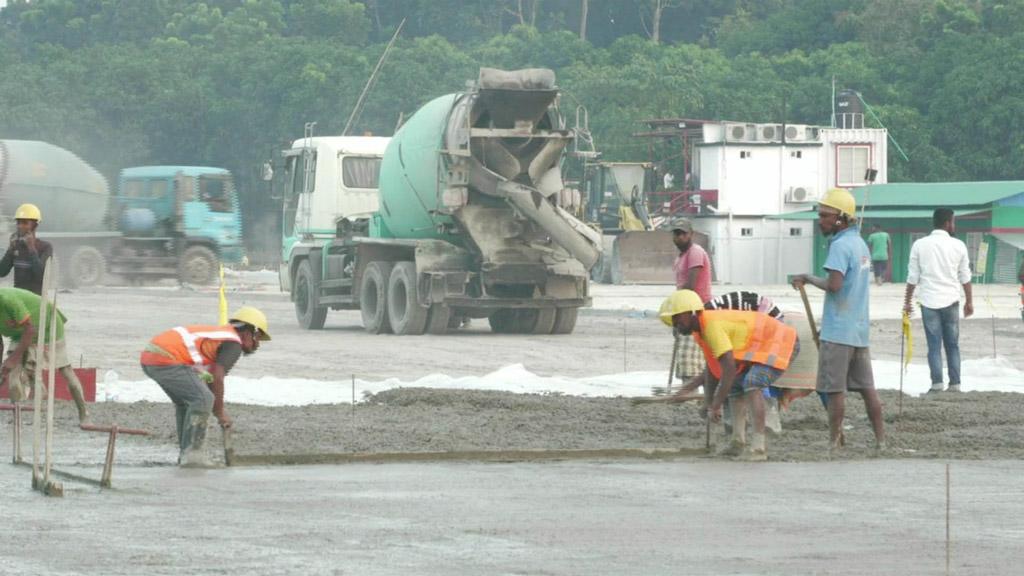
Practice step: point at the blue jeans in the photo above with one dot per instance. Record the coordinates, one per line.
(942, 330)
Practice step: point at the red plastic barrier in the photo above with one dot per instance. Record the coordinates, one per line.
(87, 376)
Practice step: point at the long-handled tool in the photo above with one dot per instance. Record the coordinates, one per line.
(229, 449)
(672, 363)
(810, 317)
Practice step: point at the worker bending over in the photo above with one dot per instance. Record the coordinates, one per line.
(19, 321)
(745, 352)
(190, 362)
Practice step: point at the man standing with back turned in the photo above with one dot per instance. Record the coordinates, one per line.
(939, 265)
(880, 243)
(844, 360)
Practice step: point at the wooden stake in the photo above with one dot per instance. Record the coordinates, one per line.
(51, 381)
(948, 551)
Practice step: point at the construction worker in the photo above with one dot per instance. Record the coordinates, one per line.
(844, 359)
(745, 352)
(26, 253)
(190, 362)
(19, 321)
(692, 269)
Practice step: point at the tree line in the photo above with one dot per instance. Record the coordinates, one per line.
(230, 82)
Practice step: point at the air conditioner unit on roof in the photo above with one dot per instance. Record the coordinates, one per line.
(771, 132)
(801, 194)
(735, 132)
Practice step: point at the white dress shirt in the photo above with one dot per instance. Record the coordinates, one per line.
(939, 267)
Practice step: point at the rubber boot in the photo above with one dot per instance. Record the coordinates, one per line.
(193, 455)
(738, 442)
(75, 388)
(772, 419)
(757, 452)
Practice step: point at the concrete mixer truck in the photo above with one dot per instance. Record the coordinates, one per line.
(462, 214)
(163, 221)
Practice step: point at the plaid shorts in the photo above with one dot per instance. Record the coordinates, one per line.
(689, 360)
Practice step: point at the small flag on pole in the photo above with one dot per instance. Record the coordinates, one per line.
(223, 316)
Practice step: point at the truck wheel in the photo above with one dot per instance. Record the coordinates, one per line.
(544, 321)
(405, 314)
(373, 297)
(565, 320)
(512, 321)
(198, 265)
(309, 315)
(87, 267)
(440, 319)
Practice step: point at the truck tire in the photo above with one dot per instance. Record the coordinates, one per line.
(544, 320)
(565, 320)
(309, 315)
(513, 321)
(439, 320)
(502, 321)
(373, 297)
(87, 267)
(405, 314)
(198, 266)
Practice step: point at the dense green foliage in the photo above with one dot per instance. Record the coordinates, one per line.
(228, 82)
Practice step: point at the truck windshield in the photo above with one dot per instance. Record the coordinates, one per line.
(216, 192)
(360, 171)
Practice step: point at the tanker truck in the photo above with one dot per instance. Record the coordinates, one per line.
(164, 221)
(462, 214)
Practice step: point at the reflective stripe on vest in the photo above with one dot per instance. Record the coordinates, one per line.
(769, 341)
(190, 339)
(184, 344)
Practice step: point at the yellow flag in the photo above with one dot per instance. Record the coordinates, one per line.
(910, 340)
(223, 316)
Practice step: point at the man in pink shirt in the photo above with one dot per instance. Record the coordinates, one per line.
(693, 272)
(692, 266)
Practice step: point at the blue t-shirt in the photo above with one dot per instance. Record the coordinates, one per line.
(845, 319)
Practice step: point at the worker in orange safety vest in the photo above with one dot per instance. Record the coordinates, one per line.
(190, 362)
(745, 352)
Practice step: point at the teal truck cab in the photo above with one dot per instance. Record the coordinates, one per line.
(177, 221)
(163, 221)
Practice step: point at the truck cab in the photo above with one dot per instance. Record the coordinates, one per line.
(330, 182)
(178, 220)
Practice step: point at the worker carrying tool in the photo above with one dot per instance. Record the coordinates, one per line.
(844, 357)
(190, 362)
(745, 351)
(26, 254)
(19, 321)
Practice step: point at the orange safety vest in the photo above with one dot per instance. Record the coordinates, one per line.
(185, 345)
(769, 341)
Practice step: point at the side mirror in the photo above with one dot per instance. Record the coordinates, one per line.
(267, 173)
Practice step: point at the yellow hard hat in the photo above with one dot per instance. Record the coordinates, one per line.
(678, 302)
(28, 212)
(253, 317)
(840, 199)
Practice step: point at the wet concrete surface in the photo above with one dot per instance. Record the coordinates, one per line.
(690, 516)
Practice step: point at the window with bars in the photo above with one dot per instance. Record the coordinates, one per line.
(852, 163)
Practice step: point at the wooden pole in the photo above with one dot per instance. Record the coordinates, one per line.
(37, 380)
(51, 382)
(948, 550)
